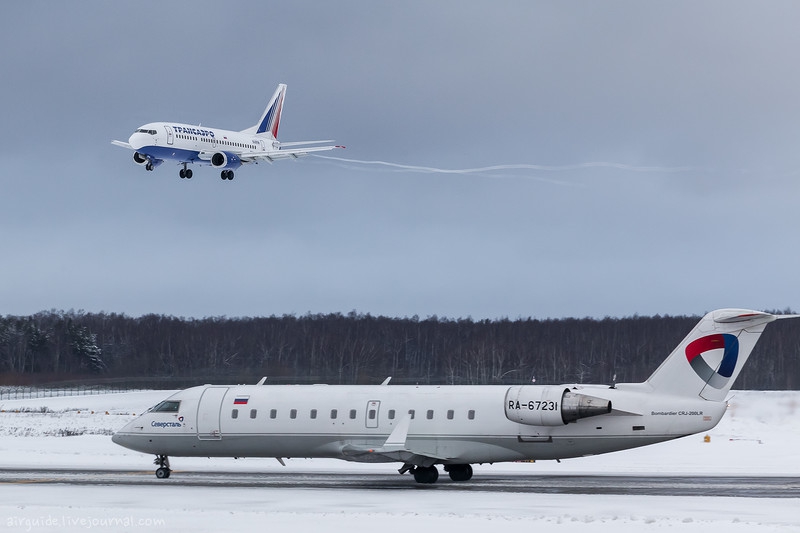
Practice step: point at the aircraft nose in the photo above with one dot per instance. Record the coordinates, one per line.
(137, 140)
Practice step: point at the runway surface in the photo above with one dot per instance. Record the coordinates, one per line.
(731, 486)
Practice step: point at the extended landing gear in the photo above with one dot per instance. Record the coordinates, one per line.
(185, 172)
(459, 472)
(425, 474)
(429, 474)
(226, 174)
(149, 167)
(163, 470)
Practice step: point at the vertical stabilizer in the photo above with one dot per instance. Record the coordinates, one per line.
(271, 118)
(708, 360)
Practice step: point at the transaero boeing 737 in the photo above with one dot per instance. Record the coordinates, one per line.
(456, 426)
(222, 149)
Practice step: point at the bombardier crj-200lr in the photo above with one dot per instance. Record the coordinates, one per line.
(456, 426)
(222, 149)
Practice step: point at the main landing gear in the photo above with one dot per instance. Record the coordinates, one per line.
(149, 167)
(429, 474)
(185, 172)
(226, 174)
(163, 470)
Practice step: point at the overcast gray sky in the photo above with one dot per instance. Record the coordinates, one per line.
(667, 134)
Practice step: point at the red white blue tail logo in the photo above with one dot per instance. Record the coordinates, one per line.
(272, 117)
(729, 345)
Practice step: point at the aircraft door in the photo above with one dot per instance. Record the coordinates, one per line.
(373, 410)
(170, 136)
(209, 411)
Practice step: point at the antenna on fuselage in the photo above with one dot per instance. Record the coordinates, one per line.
(387, 380)
(262, 380)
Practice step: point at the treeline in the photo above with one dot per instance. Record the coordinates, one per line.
(355, 348)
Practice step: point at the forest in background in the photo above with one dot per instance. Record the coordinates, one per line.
(167, 351)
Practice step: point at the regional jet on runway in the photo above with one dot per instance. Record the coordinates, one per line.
(226, 150)
(455, 426)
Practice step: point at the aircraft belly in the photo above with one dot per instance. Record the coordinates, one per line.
(172, 153)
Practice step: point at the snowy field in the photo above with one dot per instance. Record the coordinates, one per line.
(759, 436)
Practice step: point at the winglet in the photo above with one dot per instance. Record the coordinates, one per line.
(399, 434)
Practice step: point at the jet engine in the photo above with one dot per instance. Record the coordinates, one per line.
(551, 405)
(226, 160)
(139, 159)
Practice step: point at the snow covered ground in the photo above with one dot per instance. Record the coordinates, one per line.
(760, 435)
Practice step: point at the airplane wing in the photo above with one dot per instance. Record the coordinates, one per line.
(284, 153)
(393, 450)
(122, 144)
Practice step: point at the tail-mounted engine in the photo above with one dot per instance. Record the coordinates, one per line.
(226, 160)
(537, 405)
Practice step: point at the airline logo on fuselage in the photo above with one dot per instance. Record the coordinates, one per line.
(193, 131)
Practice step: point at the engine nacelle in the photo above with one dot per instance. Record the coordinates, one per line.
(551, 405)
(226, 160)
(150, 164)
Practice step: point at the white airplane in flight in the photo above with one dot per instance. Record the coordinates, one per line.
(455, 426)
(226, 150)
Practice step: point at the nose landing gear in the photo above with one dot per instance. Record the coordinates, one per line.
(163, 470)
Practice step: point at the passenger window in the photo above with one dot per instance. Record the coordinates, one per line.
(430, 414)
(273, 413)
(235, 413)
(313, 414)
(411, 412)
(352, 414)
(293, 413)
(252, 413)
(371, 414)
(391, 414)
(334, 414)
(450, 414)
(471, 414)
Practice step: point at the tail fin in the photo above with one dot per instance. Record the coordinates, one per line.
(708, 360)
(271, 118)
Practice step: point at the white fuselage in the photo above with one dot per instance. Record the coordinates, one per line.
(448, 424)
(196, 144)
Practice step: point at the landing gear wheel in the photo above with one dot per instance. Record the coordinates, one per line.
(226, 174)
(188, 173)
(459, 472)
(182, 173)
(426, 474)
(163, 470)
(149, 167)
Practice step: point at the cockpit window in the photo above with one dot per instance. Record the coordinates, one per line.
(167, 406)
(149, 132)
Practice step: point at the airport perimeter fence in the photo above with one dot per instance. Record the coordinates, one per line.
(119, 385)
(26, 393)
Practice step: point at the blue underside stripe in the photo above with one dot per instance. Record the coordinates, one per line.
(168, 153)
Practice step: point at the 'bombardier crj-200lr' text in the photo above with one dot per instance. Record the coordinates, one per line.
(226, 150)
(455, 426)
